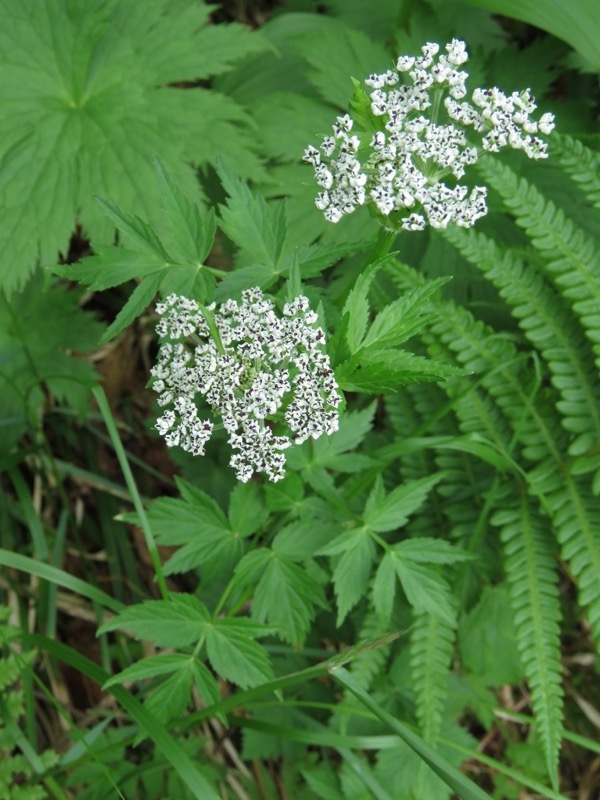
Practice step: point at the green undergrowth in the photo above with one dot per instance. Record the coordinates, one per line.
(413, 612)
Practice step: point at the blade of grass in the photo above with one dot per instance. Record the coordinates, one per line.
(59, 577)
(56, 559)
(131, 485)
(458, 782)
(517, 776)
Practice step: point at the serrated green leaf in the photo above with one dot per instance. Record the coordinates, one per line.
(285, 597)
(353, 428)
(353, 569)
(392, 511)
(140, 299)
(197, 524)
(191, 229)
(258, 230)
(301, 539)
(71, 126)
(234, 283)
(376, 371)
(403, 318)
(487, 641)
(234, 654)
(135, 230)
(170, 698)
(111, 267)
(247, 512)
(425, 590)
(357, 304)
(285, 495)
(427, 550)
(384, 589)
(177, 622)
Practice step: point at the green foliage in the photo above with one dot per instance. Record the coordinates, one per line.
(443, 542)
(72, 127)
(23, 772)
(577, 24)
(39, 329)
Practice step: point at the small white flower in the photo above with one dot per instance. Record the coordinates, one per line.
(265, 371)
(408, 158)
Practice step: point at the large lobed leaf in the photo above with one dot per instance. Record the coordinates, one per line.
(90, 91)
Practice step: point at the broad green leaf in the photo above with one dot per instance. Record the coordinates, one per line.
(577, 22)
(487, 641)
(353, 568)
(425, 590)
(234, 283)
(172, 696)
(384, 588)
(336, 53)
(329, 451)
(285, 596)
(233, 653)
(285, 495)
(247, 512)
(177, 622)
(393, 510)
(136, 231)
(314, 258)
(89, 93)
(301, 539)
(112, 267)
(196, 524)
(258, 230)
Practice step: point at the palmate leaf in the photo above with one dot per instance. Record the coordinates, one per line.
(174, 265)
(286, 595)
(86, 101)
(197, 525)
(182, 620)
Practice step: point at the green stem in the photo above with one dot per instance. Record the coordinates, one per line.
(383, 245)
(212, 327)
(109, 421)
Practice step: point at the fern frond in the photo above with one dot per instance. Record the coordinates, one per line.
(369, 664)
(570, 256)
(531, 573)
(576, 518)
(579, 162)
(431, 648)
(548, 324)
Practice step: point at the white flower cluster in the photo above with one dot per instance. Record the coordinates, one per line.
(256, 370)
(402, 168)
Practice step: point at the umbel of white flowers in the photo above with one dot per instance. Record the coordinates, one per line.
(255, 370)
(401, 167)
